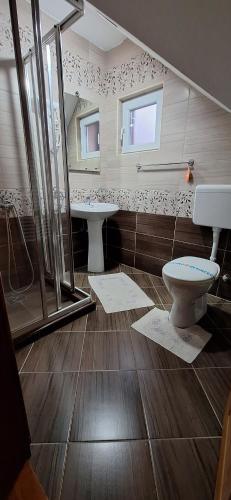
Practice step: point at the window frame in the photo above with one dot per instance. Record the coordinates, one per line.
(83, 123)
(133, 103)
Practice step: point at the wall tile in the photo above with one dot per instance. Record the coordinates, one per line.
(199, 235)
(161, 248)
(149, 264)
(121, 238)
(224, 289)
(121, 255)
(156, 225)
(181, 249)
(123, 220)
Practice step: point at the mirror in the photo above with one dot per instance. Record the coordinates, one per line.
(83, 133)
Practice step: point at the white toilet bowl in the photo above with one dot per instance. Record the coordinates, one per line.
(188, 279)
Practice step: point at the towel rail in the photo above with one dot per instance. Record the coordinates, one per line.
(152, 167)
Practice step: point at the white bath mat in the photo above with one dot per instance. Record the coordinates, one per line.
(117, 292)
(186, 343)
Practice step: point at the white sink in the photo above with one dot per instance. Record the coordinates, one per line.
(94, 213)
(93, 210)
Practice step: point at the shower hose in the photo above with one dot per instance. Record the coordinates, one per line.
(16, 294)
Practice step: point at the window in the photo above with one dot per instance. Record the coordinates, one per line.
(141, 122)
(89, 132)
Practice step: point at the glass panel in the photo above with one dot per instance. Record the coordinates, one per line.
(60, 198)
(44, 210)
(19, 266)
(92, 132)
(143, 125)
(18, 245)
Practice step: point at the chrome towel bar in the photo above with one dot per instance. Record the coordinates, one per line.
(152, 167)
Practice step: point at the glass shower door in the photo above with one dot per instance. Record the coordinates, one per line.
(51, 175)
(40, 81)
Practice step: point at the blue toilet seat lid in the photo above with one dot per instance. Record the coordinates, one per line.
(191, 269)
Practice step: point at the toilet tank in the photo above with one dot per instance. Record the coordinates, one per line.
(212, 205)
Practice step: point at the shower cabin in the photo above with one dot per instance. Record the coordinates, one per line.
(41, 292)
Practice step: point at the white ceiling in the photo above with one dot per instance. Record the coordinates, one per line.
(91, 26)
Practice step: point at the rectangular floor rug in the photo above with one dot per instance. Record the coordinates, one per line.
(117, 292)
(186, 343)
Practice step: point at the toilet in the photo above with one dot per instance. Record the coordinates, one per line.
(189, 279)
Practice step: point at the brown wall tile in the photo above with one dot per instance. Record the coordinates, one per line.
(199, 235)
(156, 225)
(121, 238)
(121, 255)
(224, 288)
(80, 259)
(123, 220)
(229, 241)
(161, 248)
(149, 264)
(181, 249)
(191, 233)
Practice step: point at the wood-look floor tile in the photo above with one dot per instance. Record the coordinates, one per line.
(48, 461)
(107, 351)
(152, 293)
(100, 321)
(176, 405)
(214, 299)
(207, 323)
(59, 351)
(78, 325)
(103, 471)
(220, 314)
(150, 355)
(21, 355)
(217, 352)
(156, 280)
(136, 314)
(164, 294)
(185, 468)
(129, 270)
(49, 400)
(143, 280)
(217, 384)
(81, 280)
(108, 407)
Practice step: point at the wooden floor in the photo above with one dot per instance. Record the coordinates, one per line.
(114, 416)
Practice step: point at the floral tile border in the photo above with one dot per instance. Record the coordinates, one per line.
(143, 200)
(81, 72)
(150, 201)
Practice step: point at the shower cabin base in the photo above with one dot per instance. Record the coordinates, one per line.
(27, 311)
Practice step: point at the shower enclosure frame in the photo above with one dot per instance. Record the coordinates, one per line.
(81, 300)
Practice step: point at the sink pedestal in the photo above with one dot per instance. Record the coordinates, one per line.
(95, 213)
(95, 246)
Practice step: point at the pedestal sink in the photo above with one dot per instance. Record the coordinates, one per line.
(94, 213)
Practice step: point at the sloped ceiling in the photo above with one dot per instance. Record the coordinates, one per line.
(191, 36)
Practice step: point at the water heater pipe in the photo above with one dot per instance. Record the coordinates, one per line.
(216, 236)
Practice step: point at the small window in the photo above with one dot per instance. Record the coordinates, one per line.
(141, 122)
(89, 130)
